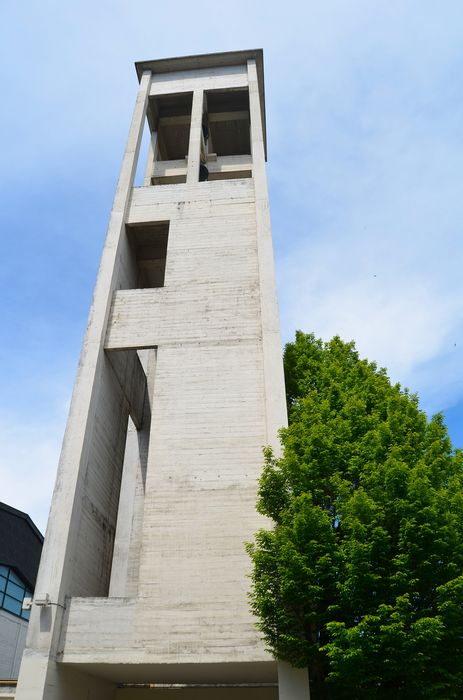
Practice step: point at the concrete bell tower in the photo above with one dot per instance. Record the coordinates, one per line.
(142, 587)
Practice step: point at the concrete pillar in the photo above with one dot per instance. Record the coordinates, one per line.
(151, 160)
(131, 475)
(293, 683)
(194, 150)
(273, 367)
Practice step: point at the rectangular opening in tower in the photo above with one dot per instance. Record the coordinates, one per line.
(149, 247)
(169, 117)
(229, 139)
(229, 122)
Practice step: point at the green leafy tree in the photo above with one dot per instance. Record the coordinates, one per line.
(361, 577)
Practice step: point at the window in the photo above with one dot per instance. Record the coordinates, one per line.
(229, 123)
(149, 248)
(12, 592)
(228, 143)
(169, 117)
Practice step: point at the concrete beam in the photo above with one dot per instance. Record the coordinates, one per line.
(151, 159)
(183, 119)
(223, 164)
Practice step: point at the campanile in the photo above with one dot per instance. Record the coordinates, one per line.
(142, 587)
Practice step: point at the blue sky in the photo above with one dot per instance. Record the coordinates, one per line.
(365, 128)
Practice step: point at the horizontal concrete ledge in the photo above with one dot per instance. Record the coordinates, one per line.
(184, 673)
(146, 318)
(206, 343)
(223, 164)
(216, 191)
(209, 343)
(112, 636)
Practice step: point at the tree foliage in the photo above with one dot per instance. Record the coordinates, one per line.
(361, 577)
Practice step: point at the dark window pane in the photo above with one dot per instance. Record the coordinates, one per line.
(2, 583)
(15, 591)
(4, 570)
(25, 614)
(12, 605)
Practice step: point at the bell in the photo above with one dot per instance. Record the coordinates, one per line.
(203, 173)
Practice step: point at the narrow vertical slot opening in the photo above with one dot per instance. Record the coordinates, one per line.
(134, 370)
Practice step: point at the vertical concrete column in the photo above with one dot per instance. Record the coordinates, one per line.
(151, 160)
(131, 474)
(194, 149)
(273, 366)
(293, 683)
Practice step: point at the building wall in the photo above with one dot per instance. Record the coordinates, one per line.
(13, 632)
(20, 543)
(208, 424)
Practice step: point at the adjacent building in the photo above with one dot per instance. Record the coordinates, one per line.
(20, 548)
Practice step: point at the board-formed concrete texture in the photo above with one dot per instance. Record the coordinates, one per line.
(180, 385)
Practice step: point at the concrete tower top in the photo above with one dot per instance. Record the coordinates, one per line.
(211, 60)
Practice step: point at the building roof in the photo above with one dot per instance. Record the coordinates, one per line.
(20, 543)
(211, 60)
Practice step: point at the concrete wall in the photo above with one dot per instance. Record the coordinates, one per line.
(13, 632)
(208, 414)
